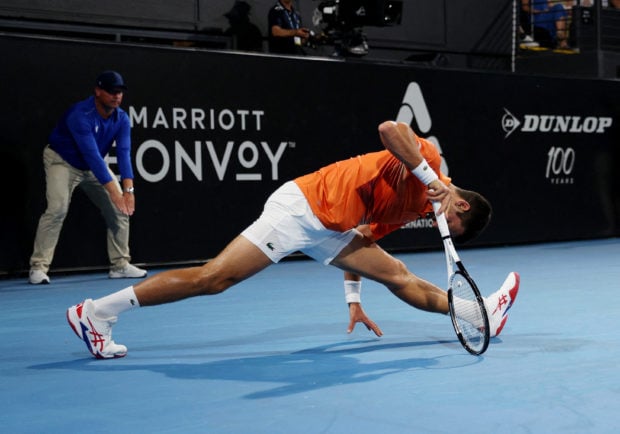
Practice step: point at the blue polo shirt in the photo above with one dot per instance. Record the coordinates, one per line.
(83, 138)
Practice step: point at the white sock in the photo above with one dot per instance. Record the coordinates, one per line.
(114, 304)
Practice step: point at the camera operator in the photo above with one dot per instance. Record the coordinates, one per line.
(286, 34)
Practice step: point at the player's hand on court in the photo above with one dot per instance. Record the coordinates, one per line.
(439, 192)
(357, 314)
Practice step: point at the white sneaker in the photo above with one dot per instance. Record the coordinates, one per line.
(500, 302)
(95, 332)
(127, 271)
(528, 42)
(37, 277)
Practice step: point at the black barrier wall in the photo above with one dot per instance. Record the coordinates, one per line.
(214, 133)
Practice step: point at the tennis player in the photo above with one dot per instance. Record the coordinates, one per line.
(318, 214)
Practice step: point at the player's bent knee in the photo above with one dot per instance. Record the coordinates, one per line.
(213, 283)
(400, 276)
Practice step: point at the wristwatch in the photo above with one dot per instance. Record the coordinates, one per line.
(129, 190)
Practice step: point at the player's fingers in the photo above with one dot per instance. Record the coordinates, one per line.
(373, 327)
(438, 194)
(377, 331)
(351, 326)
(445, 204)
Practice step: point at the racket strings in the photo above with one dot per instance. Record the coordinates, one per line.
(468, 314)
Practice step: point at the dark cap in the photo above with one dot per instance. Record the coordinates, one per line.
(239, 10)
(110, 81)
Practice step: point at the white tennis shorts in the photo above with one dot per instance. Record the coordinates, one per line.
(288, 225)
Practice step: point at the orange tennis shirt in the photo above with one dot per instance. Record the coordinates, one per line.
(375, 188)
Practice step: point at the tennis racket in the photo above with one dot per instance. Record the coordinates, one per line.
(467, 311)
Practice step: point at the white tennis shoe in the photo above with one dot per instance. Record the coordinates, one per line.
(498, 303)
(128, 271)
(95, 332)
(37, 277)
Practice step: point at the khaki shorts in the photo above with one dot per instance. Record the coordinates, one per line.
(288, 225)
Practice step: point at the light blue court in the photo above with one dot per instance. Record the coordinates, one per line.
(272, 355)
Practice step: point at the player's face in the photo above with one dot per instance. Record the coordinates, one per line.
(454, 223)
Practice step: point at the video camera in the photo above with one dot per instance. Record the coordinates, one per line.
(342, 21)
(360, 13)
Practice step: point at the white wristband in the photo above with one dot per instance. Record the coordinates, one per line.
(424, 173)
(352, 291)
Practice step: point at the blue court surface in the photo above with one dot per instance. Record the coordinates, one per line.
(272, 355)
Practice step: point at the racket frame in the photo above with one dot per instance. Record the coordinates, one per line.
(452, 259)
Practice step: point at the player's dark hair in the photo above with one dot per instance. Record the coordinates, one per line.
(476, 218)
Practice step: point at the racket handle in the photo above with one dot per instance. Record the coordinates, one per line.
(442, 224)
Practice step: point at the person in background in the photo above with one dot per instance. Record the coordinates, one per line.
(286, 34)
(246, 35)
(75, 157)
(551, 22)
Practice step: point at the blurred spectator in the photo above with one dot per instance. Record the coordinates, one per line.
(286, 34)
(525, 31)
(550, 20)
(246, 35)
